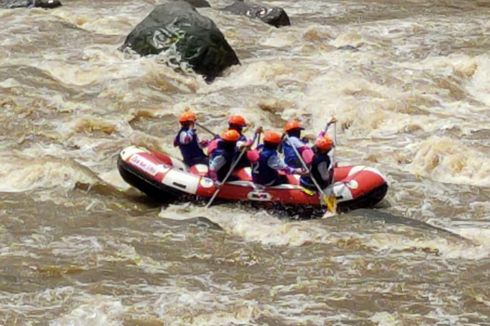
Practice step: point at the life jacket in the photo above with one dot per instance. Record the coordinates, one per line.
(290, 157)
(262, 173)
(191, 152)
(322, 180)
(213, 144)
(229, 154)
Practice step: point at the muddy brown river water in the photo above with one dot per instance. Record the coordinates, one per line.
(409, 82)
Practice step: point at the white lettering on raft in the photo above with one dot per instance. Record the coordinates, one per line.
(144, 164)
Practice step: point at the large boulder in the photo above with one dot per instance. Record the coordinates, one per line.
(176, 27)
(274, 16)
(10, 4)
(198, 3)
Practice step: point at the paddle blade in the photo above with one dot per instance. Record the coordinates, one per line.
(331, 203)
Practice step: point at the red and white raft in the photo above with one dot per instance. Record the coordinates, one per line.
(164, 178)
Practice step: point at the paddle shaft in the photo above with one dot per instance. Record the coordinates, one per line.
(332, 196)
(334, 142)
(306, 168)
(333, 149)
(230, 171)
(205, 129)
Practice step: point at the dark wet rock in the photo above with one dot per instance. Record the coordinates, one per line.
(177, 27)
(198, 3)
(274, 16)
(48, 4)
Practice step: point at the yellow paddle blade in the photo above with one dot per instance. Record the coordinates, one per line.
(331, 202)
(308, 191)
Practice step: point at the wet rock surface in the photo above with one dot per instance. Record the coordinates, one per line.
(11, 4)
(198, 3)
(274, 16)
(176, 27)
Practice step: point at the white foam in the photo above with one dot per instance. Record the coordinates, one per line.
(99, 311)
(385, 319)
(18, 174)
(76, 246)
(450, 160)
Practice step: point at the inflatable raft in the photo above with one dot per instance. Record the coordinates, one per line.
(166, 178)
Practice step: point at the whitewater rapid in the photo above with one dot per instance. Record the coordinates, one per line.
(409, 84)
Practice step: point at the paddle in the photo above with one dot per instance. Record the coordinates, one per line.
(333, 120)
(330, 209)
(233, 165)
(206, 129)
(331, 199)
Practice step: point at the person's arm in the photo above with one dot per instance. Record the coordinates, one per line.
(323, 168)
(185, 136)
(278, 164)
(326, 169)
(242, 143)
(296, 142)
(303, 149)
(216, 163)
(331, 122)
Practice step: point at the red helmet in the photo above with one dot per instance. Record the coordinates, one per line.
(230, 135)
(292, 124)
(324, 143)
(187, 116)
(237, 120)
(272, 137)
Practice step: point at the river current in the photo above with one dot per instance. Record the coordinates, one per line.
(409, 82)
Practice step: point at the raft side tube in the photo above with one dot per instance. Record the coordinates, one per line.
(156, 190)
(369, 199)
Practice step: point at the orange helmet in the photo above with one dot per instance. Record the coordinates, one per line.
(324, 143)
(237, 120)
(187, 116)
(292, 124)
(230, 135)
(272, 137)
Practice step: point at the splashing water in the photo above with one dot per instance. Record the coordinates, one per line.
(409, 84)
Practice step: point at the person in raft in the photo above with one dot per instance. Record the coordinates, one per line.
(238, 122)
(224, 155)
(235, 122)
(266, 168)
(188, 142)
(293, 131)
(321, 166)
